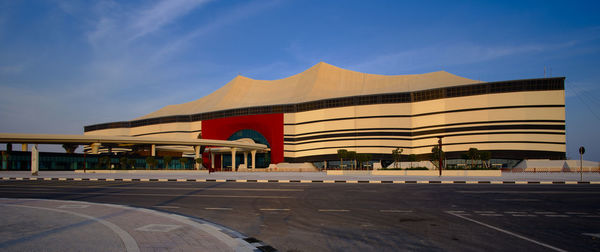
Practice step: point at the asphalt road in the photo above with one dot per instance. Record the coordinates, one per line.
(364, 217)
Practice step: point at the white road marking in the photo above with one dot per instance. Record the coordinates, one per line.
(166, 195)
(556, 215)
(73, 206)
(158, 228)
(517, 200)
(484, 212)
(514, 212)
(591, 216)
(167, 206)
(576, 213)
(508, 232)
(544, 212)
(219, 208)
(334, 210)
(395, 211)
(524, 215)
(592, 235)
(455, 211)
(274, 209)
(530, 192)
(491, 214)
(126, 238)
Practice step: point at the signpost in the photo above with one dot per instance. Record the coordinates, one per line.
(581, 151)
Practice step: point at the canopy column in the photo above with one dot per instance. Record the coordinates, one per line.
(196, 157)
(212, 161)
(233, 150)
(153, 150)
(35, 162)
(253, 153)
(95, 147)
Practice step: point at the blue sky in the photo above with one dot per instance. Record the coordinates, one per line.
(66, 64)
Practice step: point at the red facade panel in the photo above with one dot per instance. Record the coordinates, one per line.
(269, 125)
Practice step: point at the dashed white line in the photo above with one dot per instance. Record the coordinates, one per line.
(508, 232)
(274, 209)
(544, 212)
(556, 215)
(484, 212)
(167, 206)
(395, 211)
(219, 208)
(524, 215)
(576, 213)
(334, 210)
(592, 235)
(491, 214)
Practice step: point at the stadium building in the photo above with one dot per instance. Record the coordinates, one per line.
(309, 116)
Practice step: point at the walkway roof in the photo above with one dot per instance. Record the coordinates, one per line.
(90, 139)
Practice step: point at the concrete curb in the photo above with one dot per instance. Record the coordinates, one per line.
(494, 182)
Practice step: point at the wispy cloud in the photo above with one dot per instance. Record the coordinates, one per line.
(445, 55)
(161, 14)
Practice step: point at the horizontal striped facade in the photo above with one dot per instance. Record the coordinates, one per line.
(513, 122)
(512, 119)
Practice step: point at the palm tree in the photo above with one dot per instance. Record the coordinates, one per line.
(199, 162)
(151, 161)
(167, 160)
(183, 161)
(485, 156)
(473, 154)
(342, 153)
(352, 156)
(396, 154)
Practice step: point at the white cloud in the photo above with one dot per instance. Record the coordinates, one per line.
(161, 14)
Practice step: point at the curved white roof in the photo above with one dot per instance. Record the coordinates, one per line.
(322, 81)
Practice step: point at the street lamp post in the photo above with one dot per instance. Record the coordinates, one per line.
(440, 154)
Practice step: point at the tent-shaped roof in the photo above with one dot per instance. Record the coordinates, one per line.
(322, 81)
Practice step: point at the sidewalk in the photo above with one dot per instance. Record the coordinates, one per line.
(56, 225)
(305, 177)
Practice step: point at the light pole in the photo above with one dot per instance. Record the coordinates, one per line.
(440, 154)
(581, 151)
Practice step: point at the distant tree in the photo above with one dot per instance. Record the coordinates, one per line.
(435, 155)
(362, 158)
(199, 162)
(485, 156)
(396, 155)
(70, 148)
(412, 158)
(131, 163)
(167, 160)
(123, 162)
(352, 156)
(183, 161)
(151, 162)
(104, 160)
(342, 153)
(473, 154)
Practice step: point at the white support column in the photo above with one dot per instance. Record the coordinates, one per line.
(221, 161)
(246, 159)
(196, 156)
(95, 147)
(212, 161)
(233, 150)
(24, 147)
(153, 150)
(35, 162)
(253, 153)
